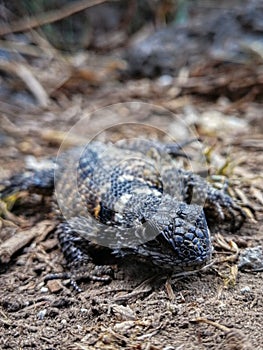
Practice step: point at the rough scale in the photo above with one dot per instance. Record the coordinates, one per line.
(130, 199)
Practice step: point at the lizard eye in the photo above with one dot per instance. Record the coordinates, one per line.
(182, 211)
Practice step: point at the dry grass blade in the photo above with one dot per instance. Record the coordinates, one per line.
(49, 17)
(5, 207)
(142, 288)
(212, 323)
(235, 339)
(29, 50)
(169, 290)
(26, 75)
(229, 246)
(257, 194)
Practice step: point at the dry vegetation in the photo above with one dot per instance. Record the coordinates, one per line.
(45, 91)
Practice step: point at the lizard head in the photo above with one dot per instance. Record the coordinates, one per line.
(183, 240)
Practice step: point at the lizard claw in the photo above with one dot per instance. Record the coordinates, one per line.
(224, 206)
(99, 273)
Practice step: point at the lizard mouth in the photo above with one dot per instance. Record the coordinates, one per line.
(190, 271)
(198, 263)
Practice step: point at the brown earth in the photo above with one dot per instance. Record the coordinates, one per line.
(220, 307)
(136, 310)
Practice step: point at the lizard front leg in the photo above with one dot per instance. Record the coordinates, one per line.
(193, 189)
(76, 251)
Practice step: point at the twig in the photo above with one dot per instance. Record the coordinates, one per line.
(212, 323)
(22, 238)
(234, 338)
(28, 78)
(30, 50)
(49, 17)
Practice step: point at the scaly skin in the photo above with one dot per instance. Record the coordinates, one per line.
(130, 199)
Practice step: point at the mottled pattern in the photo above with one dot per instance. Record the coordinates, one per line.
(130, 199)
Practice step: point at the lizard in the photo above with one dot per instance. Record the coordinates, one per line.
(130, 199)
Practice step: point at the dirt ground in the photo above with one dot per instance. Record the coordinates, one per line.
(137, 310)
(220, 307)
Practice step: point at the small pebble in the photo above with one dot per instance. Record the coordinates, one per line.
(251, 259)
(44, 290)
(41, 314)
(54, 286)
(83, 310)
(245, 290)
(165, 80)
